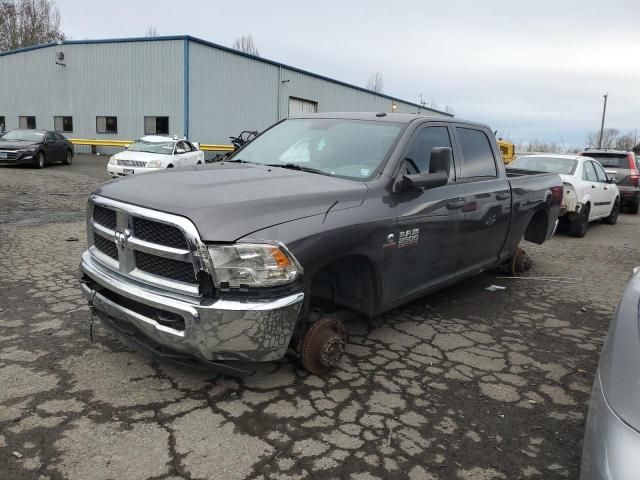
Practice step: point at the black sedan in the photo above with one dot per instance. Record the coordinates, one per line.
(35, 147)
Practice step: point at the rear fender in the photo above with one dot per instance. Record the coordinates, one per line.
(570, 199)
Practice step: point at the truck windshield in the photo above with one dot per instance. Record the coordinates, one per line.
(344, 148)
(165, 148)
(563, 166)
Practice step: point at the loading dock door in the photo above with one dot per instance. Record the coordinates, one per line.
(300, 105)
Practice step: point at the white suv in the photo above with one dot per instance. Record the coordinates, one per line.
(153, 152)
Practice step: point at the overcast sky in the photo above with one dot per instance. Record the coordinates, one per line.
(530, 69)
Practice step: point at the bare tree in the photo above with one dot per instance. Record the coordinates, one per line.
(151, 32)
(375, 83)
(627, 142)
(245, 44)
(609, 136)
(539, 146)
(28, 22)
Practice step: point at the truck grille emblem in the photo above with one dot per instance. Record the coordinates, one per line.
(121, 239)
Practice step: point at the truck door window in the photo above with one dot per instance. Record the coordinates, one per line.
(418, 153)
(478, 156)
(589, 173)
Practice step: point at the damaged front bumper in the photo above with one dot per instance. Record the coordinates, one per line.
(206, 329)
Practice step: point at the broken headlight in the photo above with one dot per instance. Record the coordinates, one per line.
(253, 265)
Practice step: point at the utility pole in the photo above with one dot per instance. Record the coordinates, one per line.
(604, 111)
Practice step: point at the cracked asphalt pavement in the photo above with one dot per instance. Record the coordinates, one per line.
(461, 384)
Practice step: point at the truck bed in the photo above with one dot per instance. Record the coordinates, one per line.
(529, 191)
(520, 172)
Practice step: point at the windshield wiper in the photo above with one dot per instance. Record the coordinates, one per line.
(297, 166)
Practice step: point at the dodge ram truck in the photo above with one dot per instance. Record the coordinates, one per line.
(321, 217)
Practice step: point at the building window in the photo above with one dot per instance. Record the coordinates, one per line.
(63, 124)
(300, 105)
(156, 125)
(107, 124)
(27, 122)
(3, 124)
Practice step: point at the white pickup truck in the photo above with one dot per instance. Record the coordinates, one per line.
(154, 152)
(589, 194)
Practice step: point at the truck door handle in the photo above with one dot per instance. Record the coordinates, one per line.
(502, 195)
(453, 204)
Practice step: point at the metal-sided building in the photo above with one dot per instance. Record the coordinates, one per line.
(178, 85)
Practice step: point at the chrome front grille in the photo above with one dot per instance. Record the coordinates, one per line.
(106, 246)
(132, 163)
(104, 216)
(159, 233)
(152, 247)
(165, 267)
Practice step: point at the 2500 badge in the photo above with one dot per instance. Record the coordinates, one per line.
(408, 238)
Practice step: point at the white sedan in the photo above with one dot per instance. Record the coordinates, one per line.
(153, 152)
(589, 194)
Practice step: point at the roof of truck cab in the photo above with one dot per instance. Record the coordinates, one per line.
(387, 117)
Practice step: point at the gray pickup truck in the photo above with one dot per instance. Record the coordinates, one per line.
(320, 217)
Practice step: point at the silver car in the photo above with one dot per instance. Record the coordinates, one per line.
(611, 448)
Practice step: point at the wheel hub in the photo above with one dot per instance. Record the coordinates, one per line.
(323, 345)
(520, 262)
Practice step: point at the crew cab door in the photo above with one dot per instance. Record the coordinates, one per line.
(487, 209)
(425, 244)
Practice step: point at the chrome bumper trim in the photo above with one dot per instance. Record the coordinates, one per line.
(256, 331)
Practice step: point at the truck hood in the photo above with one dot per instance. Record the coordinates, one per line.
(228, 201)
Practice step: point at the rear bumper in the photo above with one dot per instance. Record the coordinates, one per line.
(207, 329)
(629, 194)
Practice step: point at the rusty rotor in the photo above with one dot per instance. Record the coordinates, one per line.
(323, 345)
(520, 262)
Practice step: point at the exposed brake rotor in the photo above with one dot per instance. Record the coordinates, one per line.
(520, 262)
(323, 345)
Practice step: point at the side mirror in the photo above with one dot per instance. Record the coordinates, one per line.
(419, 182)
(611, 179)
(440, 160)
(438, 176)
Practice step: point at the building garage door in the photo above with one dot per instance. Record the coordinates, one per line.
(300, 105)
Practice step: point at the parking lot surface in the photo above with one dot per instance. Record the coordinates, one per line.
(462, 384)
